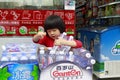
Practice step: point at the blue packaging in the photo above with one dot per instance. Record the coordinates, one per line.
(104, 45)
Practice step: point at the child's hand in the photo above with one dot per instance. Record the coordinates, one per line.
(38, 36)
(60, 41)
(41, 34)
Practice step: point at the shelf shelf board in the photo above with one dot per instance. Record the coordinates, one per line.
(105, 17)
(112, 3)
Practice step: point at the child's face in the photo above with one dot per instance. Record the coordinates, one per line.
(54, 33)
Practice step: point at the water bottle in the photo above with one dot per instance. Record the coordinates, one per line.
(81, 61)
(23, 58)
(51, 57)
(70, 56)
(84, 62)
(60, 55)
(82, 52)
(90, 63)
(33, 57)
(14, 58)
(4, 56)
(42, 59)
(67, 48)
(62, 36)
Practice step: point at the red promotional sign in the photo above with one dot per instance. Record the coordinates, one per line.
(27, 22)
(69, 17)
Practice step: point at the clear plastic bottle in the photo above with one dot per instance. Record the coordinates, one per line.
(63, 35)
(84, 62)
(4, 56)
(67, 48)
(82, 52)
(33, 57)
(91, 62)
(42, 59)
(51, 57)
(60, 55)
(13, 57)
(23, 58)
(70, 56)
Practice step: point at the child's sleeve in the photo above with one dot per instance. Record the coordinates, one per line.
(78, 44)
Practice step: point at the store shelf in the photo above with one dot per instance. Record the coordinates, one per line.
(105, 17)
(78, 10)
(112, 3)
(80, 4)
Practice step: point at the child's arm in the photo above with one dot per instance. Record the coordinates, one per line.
(72, 43)
(38, 36)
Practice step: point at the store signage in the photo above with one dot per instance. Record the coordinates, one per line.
(14, 22)
(66, 70)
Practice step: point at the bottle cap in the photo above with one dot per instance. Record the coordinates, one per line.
(92, 61)
(52, 52)
(61, 52)
(70, 53)
(33, 57)
(4, 59)
(88, 67)
(3, 47)
(41, 48)
(71, 38)
(88, 55)
(24, 58)
(49, 48)
(14, 58)
(42, 51)
(64, 33)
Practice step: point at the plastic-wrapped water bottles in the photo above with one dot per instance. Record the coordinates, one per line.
(63, 35)
(60, 55)
(82, 52)
(83, 58)
(84, 62)
(15, 52)
(42, 58)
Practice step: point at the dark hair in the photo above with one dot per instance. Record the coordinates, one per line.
(54, 21)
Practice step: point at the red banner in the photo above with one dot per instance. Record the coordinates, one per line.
(27, 22)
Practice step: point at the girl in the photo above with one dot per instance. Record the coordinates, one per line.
(54, 26)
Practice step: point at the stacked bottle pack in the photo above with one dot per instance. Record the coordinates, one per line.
(83, 58)
(80, 56)
(19, 62)
(18, 52)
